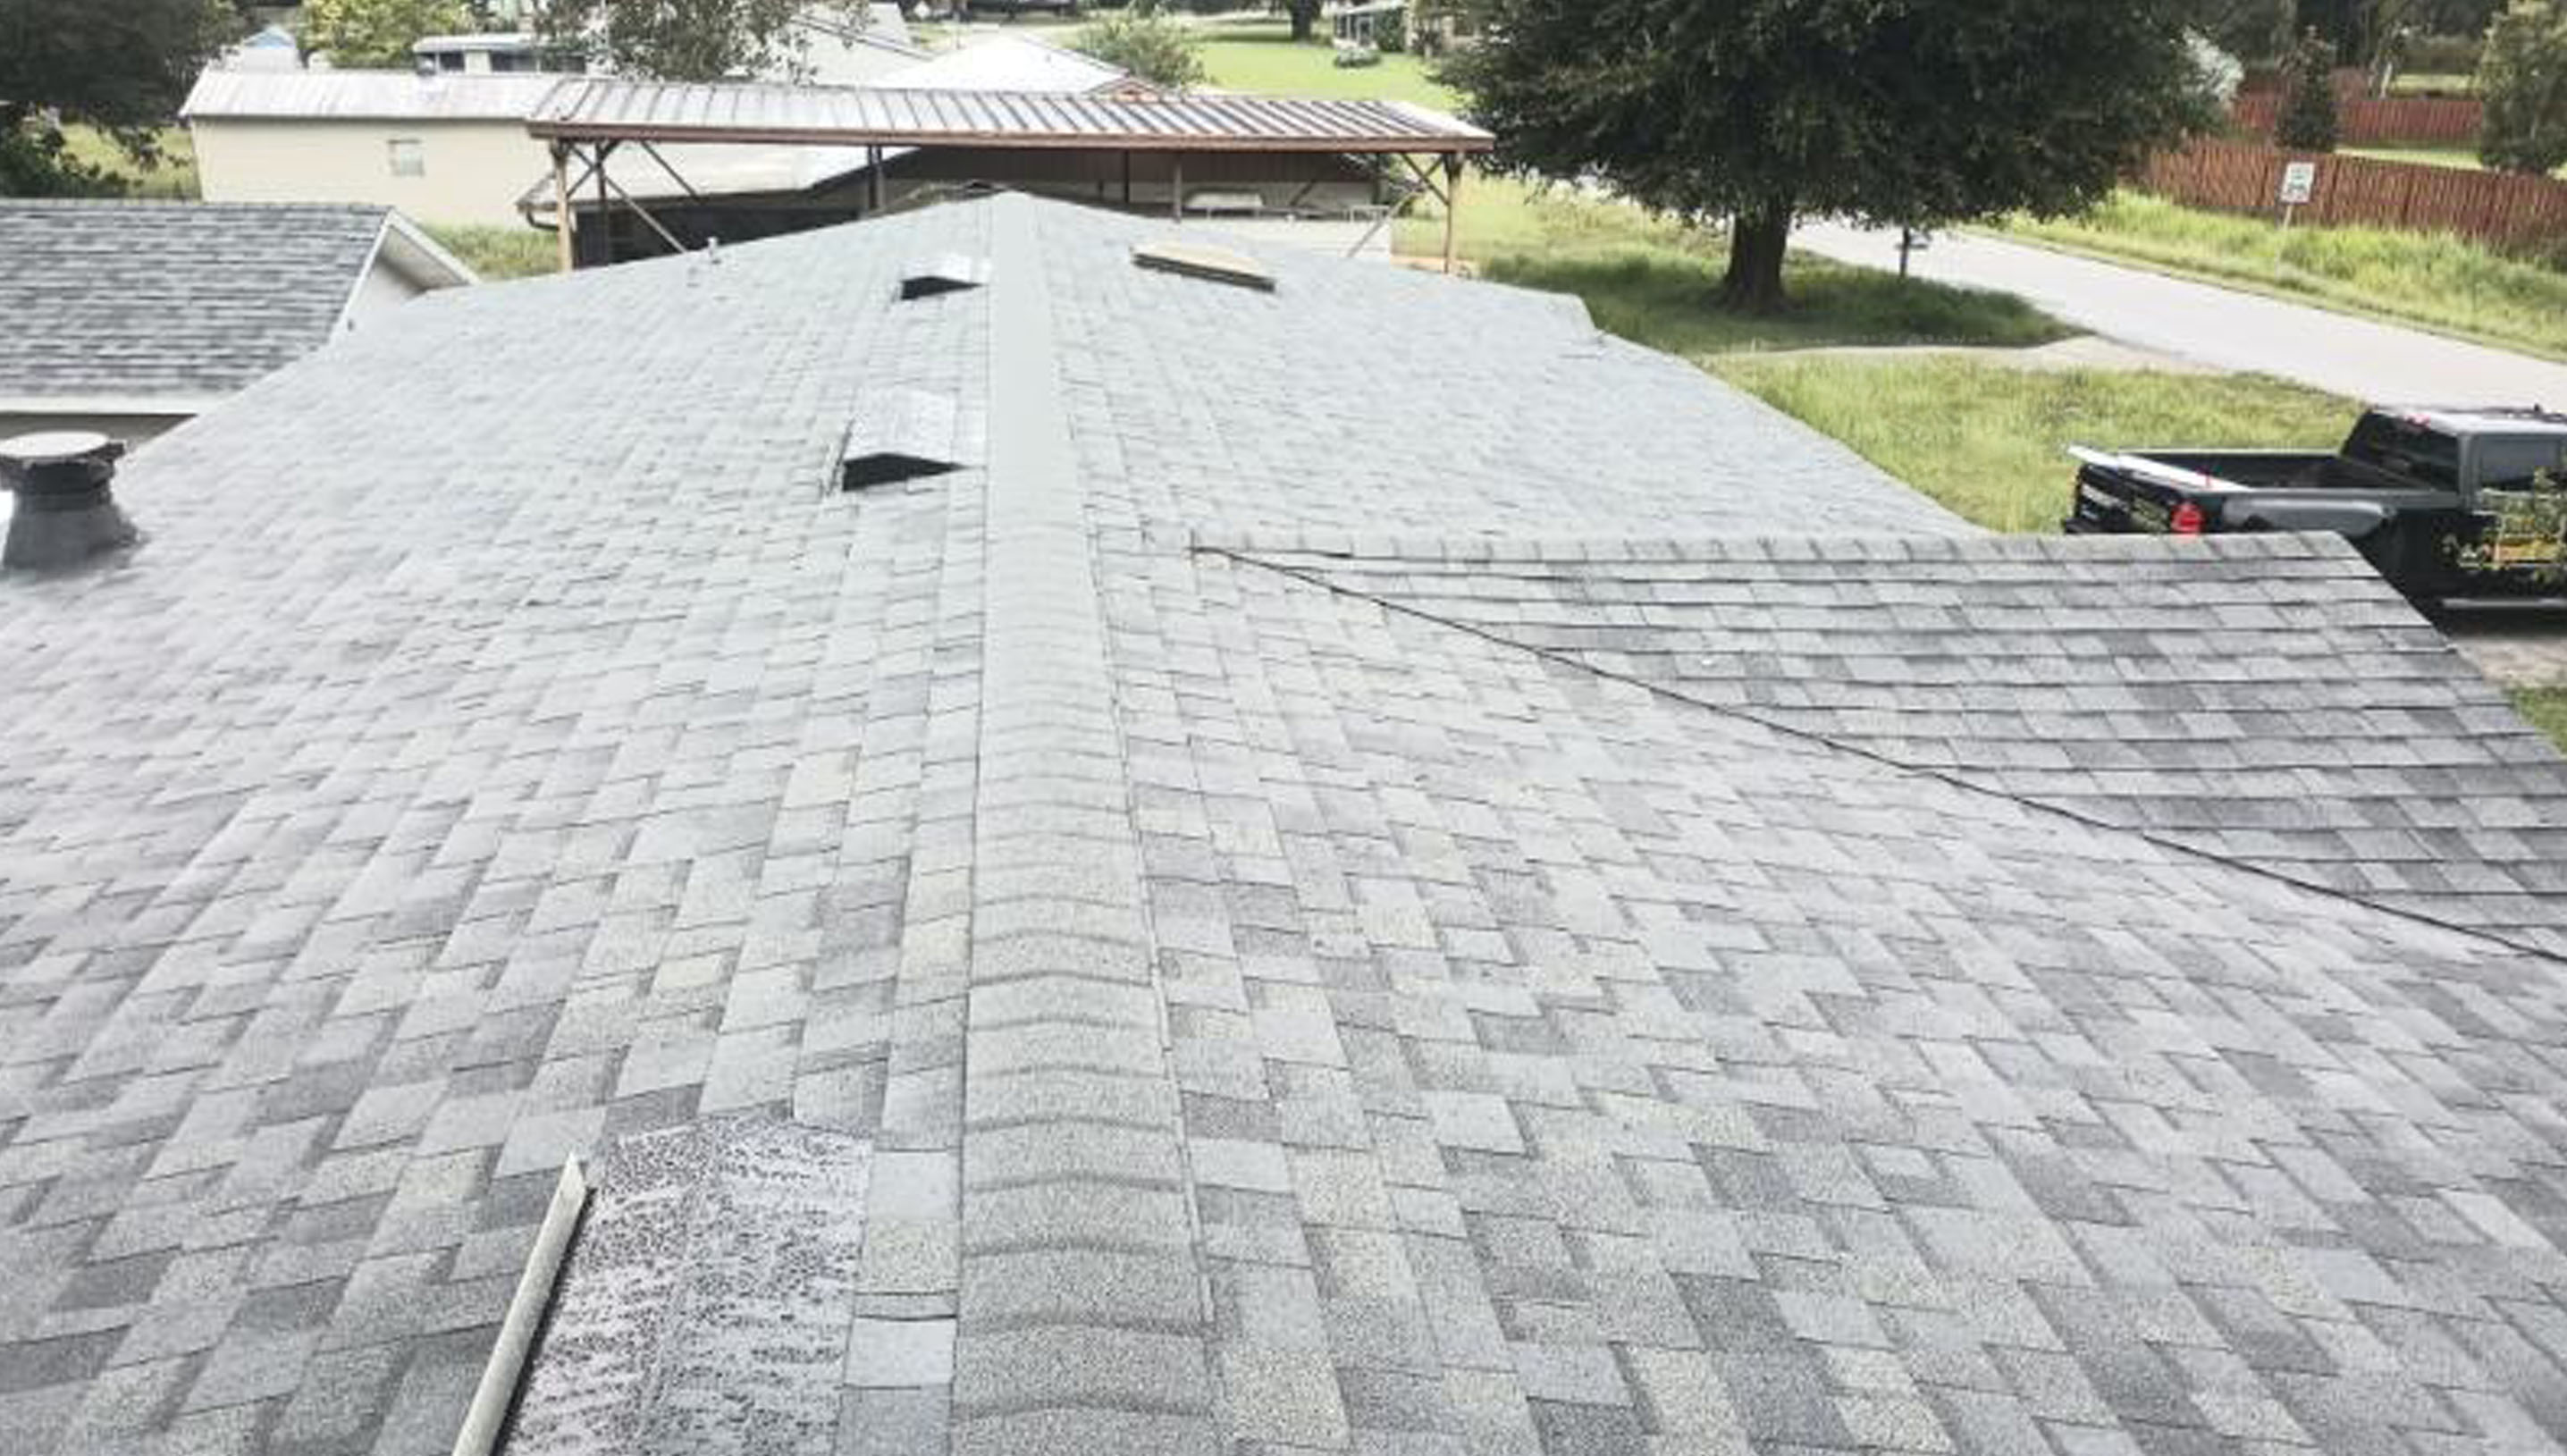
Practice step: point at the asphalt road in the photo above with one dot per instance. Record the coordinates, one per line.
(2379, 363)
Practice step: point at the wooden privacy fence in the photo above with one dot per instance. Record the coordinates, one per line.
(2518, 213)
(2398, 121)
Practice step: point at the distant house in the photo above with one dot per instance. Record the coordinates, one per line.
(129, 317)
(1008, 63)
(272, 48)
(498, 53)
(834, 51)
(441, 148)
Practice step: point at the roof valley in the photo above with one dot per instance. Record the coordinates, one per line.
(1081, 1316)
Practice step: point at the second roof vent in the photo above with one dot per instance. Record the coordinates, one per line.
(902, 435)
(943, 273)
(1194, 260)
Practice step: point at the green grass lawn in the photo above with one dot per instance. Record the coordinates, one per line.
(2547, 707)
(1987, 441)
(1656, 283)
(2433, 279)
(499, 253)
(1260, 56)
(173, 176)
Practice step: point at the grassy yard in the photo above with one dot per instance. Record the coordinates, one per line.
(2547, 707)
(1260, 56)
(499, 253)
(1656, 283)
(1986, 440)
(173, 176)
(2434, 280)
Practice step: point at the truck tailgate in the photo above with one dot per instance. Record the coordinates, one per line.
(2111, 501)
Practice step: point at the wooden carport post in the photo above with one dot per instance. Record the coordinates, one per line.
(1452, 203)
(1175, 186)
(561, 202)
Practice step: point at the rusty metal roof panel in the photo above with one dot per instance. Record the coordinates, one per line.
(610, 107)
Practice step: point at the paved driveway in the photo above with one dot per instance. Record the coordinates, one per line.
(2217, 326)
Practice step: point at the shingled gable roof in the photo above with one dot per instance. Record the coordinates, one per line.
(181, 302)
(2267, 699)
(1243, 1011)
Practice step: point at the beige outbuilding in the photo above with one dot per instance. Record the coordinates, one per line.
(448, 149)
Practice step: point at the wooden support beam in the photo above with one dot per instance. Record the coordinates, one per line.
(874, 177)
(561, 203)
(1175, 186)
(605, 206)
(1452, 204)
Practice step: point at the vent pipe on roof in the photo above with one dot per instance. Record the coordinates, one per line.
(66, 513)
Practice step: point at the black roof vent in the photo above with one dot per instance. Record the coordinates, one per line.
(902, 435)
(66, 511)
(943, 273)
(1216, 265)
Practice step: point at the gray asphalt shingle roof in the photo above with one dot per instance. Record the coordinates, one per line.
(1254, 1016)
(2266, 699)
(170, 299)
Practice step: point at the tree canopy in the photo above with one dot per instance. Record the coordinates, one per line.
(2306, 118)
(377, 33)
(2524, 80)
(1923, 113)
(682, 40)
(58, 57)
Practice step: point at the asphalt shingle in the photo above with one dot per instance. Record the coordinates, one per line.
(1262, 1013)
(184, 300)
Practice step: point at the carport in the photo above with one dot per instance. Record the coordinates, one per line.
(585, 119)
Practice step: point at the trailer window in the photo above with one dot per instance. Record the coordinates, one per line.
(2511, 464)
(2407, 448)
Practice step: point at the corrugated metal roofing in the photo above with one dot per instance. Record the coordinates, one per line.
(368, 95)
(610, 107)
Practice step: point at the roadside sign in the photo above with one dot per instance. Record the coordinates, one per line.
(2299, 183)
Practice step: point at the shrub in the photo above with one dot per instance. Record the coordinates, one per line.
(2524, 80)
(2306, 122)
(1390, 32)
(1153, 47)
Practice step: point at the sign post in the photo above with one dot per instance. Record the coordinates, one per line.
(2299, 184)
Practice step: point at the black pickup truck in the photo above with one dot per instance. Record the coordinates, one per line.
(2443, 502)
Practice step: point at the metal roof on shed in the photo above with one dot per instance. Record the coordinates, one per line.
(617, 109)
(365, 95)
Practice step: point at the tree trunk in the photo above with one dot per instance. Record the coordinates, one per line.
(1305, 17)
(1757, 243)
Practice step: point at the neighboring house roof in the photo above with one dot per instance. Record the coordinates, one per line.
(884, 28)
(145, 307)
(366, 94)
(1233, 996)
(506, 40)
(1008, 63)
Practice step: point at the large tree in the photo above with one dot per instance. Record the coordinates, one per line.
(123, 67)
(377, 33)
(2254, 31)
(682, 40)
(2524, 78)
(1921, 112)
